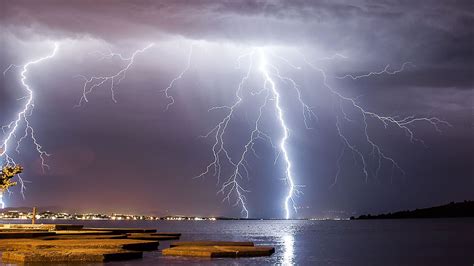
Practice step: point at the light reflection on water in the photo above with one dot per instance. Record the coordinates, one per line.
(289, 251)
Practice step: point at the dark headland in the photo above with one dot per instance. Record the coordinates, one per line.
(451, 210)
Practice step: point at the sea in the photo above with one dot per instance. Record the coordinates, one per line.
(306, 242)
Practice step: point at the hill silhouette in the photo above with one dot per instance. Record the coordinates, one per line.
(451, 210)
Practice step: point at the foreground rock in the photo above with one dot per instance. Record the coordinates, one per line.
(122, 230)
(49, 227)
(166, 234)
(73, 243)
(24, 234)
(219, 251)
(70, 255)
(82, 232)
(152, 236)
(84, 237)
(127, 244)
(50, 243)
(211, 243)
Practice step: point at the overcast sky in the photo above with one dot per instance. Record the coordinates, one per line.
(134, 156)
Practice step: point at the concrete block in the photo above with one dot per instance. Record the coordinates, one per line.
(128, 244)
(145, 236)
(211, 243)
(219, 251)
(69, 255)
(122, 230)
(24, 234)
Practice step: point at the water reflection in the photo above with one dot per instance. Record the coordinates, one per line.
(288, 249)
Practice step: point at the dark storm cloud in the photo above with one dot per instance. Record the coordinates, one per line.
(435, 34)
(97, 149)
(239, 20)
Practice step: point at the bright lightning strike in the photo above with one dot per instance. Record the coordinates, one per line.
(260, 61)
(10, 130)
(286, 134)
(270, 72)
(232, 185)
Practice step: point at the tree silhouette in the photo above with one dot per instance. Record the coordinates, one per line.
(8, 172)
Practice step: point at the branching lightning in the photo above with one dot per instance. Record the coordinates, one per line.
(11, 130)
(403, 123)
(173, 81)
(230, 165)
(386, 70)
(232, 185)
(112, 80)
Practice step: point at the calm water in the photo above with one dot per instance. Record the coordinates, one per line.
(378, 242)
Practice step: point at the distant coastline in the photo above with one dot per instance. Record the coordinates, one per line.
(451, 210)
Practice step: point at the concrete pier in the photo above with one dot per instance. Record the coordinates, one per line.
(80, 236)
(166, 234)
(72, 255)
(49, 227)
(71, 243)
(210, 243)
(146, 236)
(127, 244)
(24, 234)
(122, 230)
(219, 251)
(82, 232)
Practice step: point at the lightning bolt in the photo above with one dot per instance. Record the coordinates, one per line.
(405, 124)
(286, 133)
(232, 185)
(231, 170)
(386, 70)
(10, 130)
(269, 71)
(112, 80)
(174, 80)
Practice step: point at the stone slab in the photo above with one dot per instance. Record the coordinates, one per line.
(166, 234)
(86, 236)
(24, 234)
(211, 243)
(68, 227)
(82, 232)
(219, 251)
(122, 230)
(21, 229)
(128, 244)
(145, 236)
(70, 255)
(51, 227)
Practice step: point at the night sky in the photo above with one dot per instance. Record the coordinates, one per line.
(134, 156)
